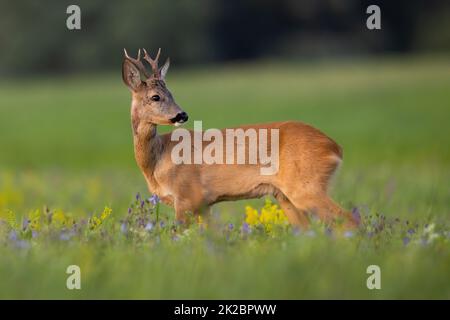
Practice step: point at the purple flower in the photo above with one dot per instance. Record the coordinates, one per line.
(13, 235)
(406, 240)
(138, 196)
(34, 233)
(348, 234)
(25, 223)
(230, 226)
(123, 228)
(356, 215)
(154, 199)
(148, 226)
(142, 204)
(411, 231)
(129, 210)
(161, 224)
(245, 228)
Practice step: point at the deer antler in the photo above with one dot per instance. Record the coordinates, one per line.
(153, 62)
(138, 63)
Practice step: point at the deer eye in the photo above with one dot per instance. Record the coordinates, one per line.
(155, 97)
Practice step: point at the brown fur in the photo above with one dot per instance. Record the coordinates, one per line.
(307, 157)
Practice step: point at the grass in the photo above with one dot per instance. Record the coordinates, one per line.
(66, 144)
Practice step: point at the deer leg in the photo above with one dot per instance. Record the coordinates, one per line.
(294, 216)
(182, 210)
(325, 208)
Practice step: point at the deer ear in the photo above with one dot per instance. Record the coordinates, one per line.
(163, 70)
(131, 75)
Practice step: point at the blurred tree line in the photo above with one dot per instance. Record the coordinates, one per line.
(34, 37)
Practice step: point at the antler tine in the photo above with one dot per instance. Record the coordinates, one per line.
(137, 62)
(157, 55)
(153, 62)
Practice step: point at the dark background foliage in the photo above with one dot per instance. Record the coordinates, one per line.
(34, 37)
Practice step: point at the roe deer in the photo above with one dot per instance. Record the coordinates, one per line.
(307, 158)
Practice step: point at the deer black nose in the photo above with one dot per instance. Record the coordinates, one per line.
(183, 116)
(180, 117)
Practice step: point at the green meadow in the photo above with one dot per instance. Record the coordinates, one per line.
(66, 151)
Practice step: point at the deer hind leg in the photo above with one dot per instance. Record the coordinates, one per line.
(294, 216)
(308, 191)
(321, 205)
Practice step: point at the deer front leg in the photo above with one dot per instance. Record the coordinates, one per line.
(181, 212)
(188, 201)
(185, 210)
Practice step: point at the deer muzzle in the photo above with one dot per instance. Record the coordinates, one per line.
(181, 117)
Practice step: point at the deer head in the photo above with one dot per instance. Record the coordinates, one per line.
(152, 101)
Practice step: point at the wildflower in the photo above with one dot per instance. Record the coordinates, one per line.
(123, 228)
(406, 240)
(95, 222)
(251, 215)
(148, 226)
(59, 218)
(269, 216)
(245, 228)
(10, 217)
(138, 196)
(129, 210)
(35, 220)
(230, 226)
(348, 234)
(106, 213)
(13, 235)
(142, 204)
(428, 233)
(356, 215)
(154, 199)
(25, 223)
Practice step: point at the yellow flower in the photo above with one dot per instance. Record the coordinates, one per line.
(10, 217)
(251, 215)
(95, 222)
(35, 220)
(270, 216)
(59, 218)
(106, 213)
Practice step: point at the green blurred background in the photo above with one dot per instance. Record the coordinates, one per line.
(65, 136)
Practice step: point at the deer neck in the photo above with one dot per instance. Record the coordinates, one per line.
(148, 145)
